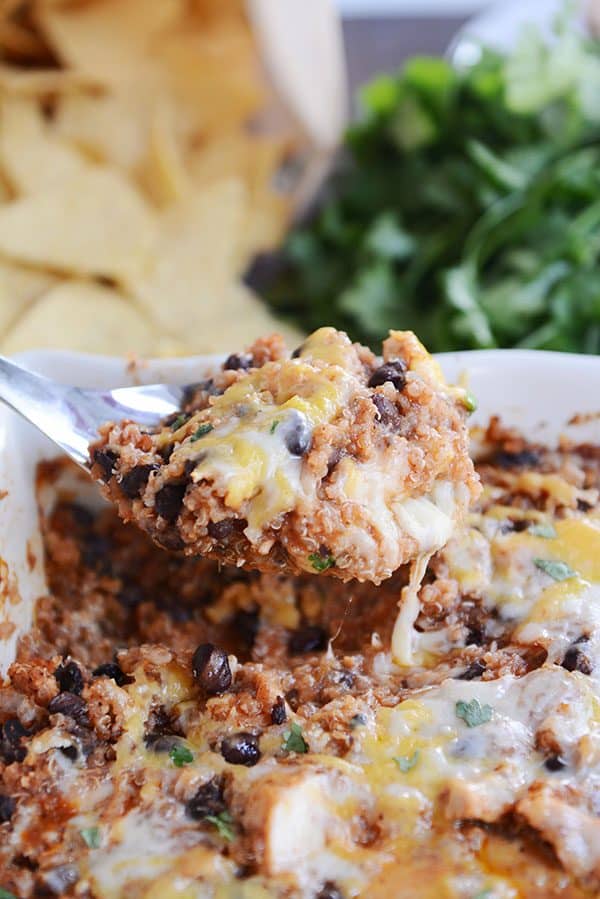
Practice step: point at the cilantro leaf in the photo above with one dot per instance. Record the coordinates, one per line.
(293, 739)
(274, 425)
(465, 206)
(91, 837)
(201, 431)
(407, 762)
(180, 755)
(321, 563)
(224, 824)
(556, 569)
(542, 529)
(483, 894)
(473, 713)
(5, 894)
(179, 421)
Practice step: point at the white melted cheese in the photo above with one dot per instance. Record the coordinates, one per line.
(482, 770)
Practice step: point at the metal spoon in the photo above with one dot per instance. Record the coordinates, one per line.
(71, 416)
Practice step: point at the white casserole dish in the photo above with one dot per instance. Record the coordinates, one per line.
(537, 392)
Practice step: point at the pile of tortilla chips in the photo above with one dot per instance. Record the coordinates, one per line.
(136, 176)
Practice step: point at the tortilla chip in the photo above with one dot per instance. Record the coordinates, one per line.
(82, 316)
(163, 172)
(31, 157)
(93, 224)
(236, 317)
(196, 258)
(19, 287)
(109, 40)
(109, 128)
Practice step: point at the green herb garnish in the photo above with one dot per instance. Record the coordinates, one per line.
(560, 571)
(5, 894)
(483, 894)
(201, 431)
(179, 421)
(91, 837)
(473, 713)
(407, 762)
(274, 425)
(467, 207)
(293, 739)
(224, 824)
(542, 529)
(469, 402)
(321, 563)
(181, 755)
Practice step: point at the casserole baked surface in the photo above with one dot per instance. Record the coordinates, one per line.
(174, 729)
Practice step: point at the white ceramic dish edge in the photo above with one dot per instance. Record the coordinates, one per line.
(537, 392)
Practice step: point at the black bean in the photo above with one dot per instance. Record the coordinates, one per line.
(246, 626)
(210, 667)
(475, 637)
(241, 749)
(158, 742)
(297, 435)
(11, 733)
(309, 638)
(387, 412)
(522, 459)
(81, 515)
(106, 459)
(394, 372)
(330, 891)
(70, 752)
(7, 807)
(114, 671)
(208, 800)
(238, 362)
(343, 677)
(96, 553)
(555, 763)
(278, 712)
(168, 501)
(576, 660)
(583, 505)
(221, 530)
(474, 671)
(130, 596)
(298, 351)
(134, 482)
(72, 706)
(69, 678)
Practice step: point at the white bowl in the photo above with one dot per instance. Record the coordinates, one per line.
(537, 392)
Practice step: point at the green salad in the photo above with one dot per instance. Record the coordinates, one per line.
(467, 206)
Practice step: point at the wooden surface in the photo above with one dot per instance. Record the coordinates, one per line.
(381, 45)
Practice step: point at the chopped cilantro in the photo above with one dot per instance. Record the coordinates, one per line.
(469, 402)
(91, 837)
(473, 713)
(358, 720)
(179, 421)
(181, 755)
(5, 894)
(224, 824)
(321, 563)
(407, 762)
(293, 739)
(560, 571)
(543, 529)
(274, 425)
(483, 894)
(201, 431)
